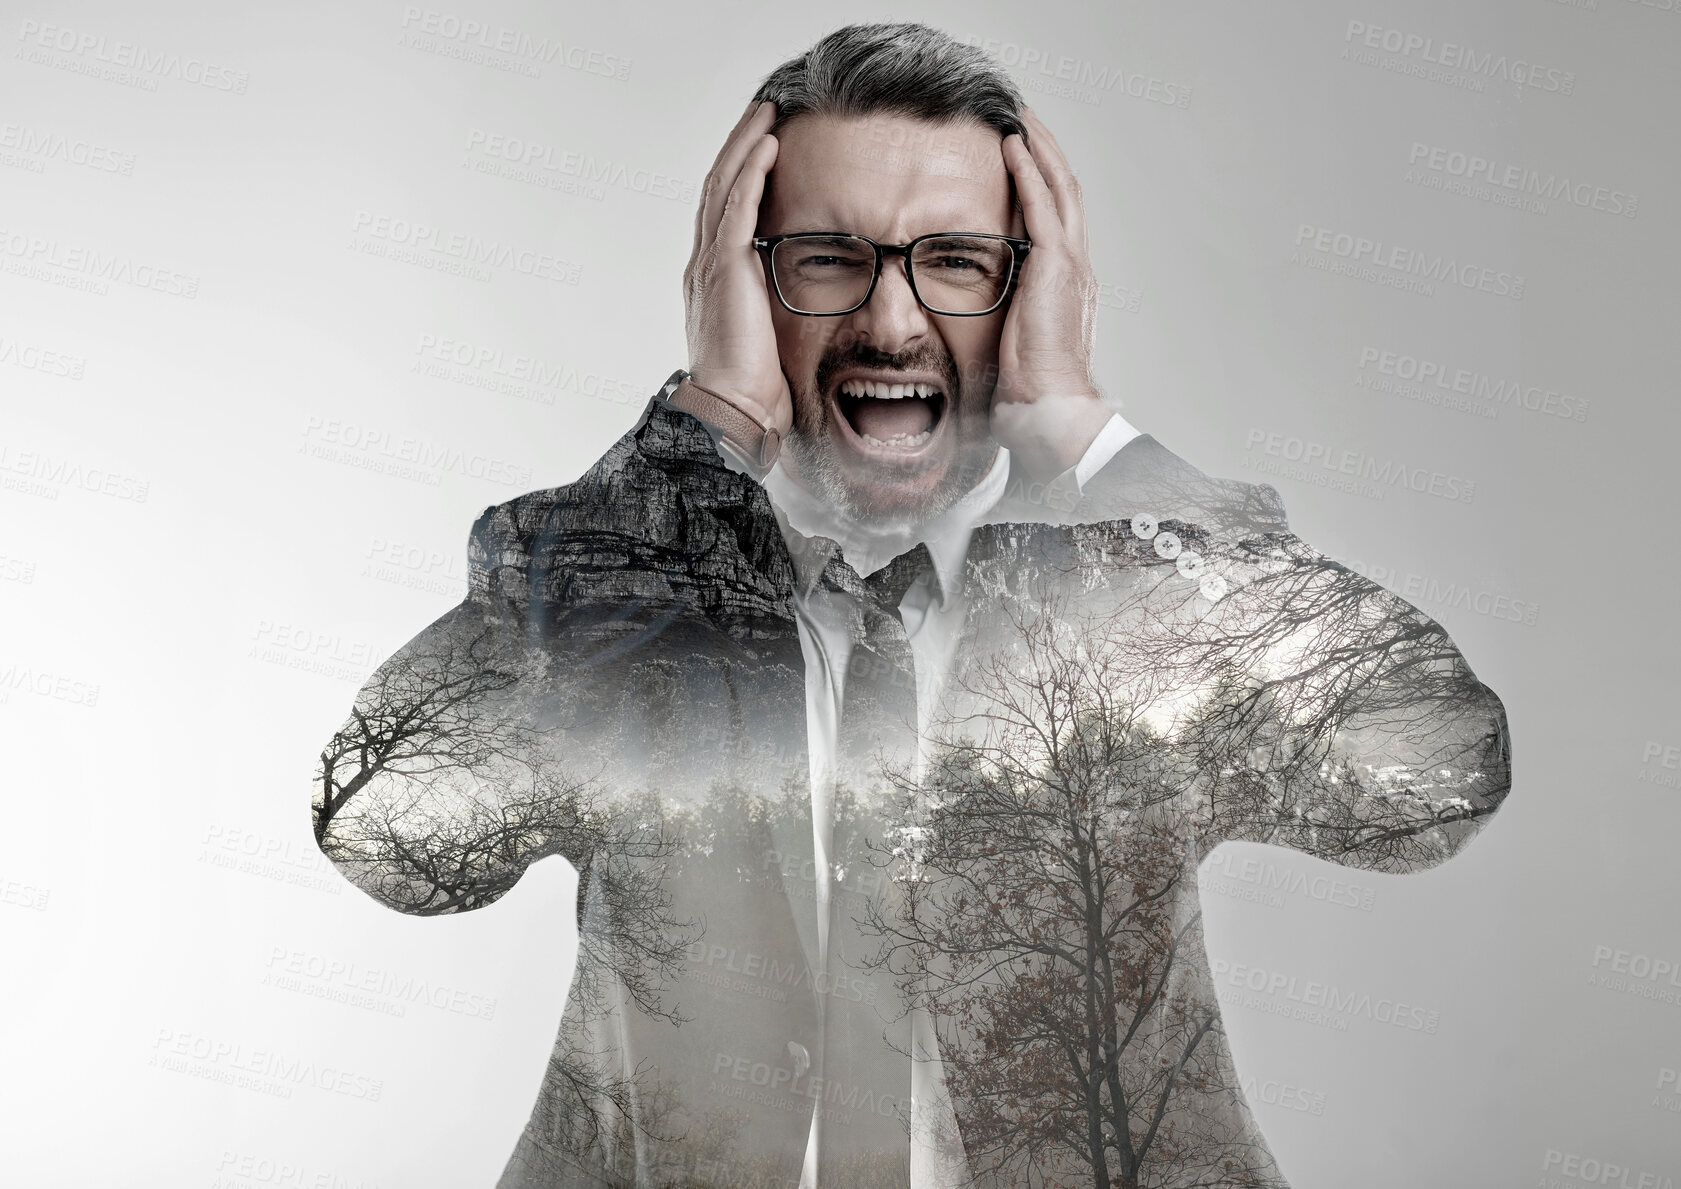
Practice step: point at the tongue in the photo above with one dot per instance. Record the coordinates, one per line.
(884, 420)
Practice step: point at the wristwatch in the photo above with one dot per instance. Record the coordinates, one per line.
(756, 443)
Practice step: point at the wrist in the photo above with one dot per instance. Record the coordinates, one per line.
(1049, 435)
(755, 441)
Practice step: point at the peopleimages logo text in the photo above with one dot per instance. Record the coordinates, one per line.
(1446, 270)
(471, 249)
(1451, 55)
(516, 43)
(583, 166)
(1429, 373)
(1329, 996)
(332, 439)
(54, 146)
(147, 62)
(1585, 1170)
(46, 252)
(1552, 186)
(1079, 72)
(1360, 465)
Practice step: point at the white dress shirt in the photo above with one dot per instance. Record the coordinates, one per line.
(932, 624)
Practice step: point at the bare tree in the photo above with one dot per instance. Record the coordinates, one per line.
(438, 793)
(431, 711)
(1048, 916)
(1039, 923)
(1330, 715)
(1335, 647)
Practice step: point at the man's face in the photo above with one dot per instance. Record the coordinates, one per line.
(890, 178)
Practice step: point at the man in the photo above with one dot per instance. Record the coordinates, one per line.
(886, 690)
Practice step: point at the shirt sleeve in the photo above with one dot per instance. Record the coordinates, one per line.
(1065, 490)
(1104, 446)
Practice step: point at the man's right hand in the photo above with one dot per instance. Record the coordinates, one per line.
(732, 342)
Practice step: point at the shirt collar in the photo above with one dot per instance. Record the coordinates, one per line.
(807, 520)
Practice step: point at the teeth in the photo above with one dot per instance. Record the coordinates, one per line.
(877, 390)
(900, 441)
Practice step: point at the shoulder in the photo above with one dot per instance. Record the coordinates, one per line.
(666, 457)
(1143, 509)
(660, 505)
(1145, 478)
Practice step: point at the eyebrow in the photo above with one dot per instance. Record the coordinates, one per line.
(958, 238)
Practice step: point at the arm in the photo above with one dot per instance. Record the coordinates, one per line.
(1413, 752)
(433, 796)
(1309, 707)
(516, 725)
(1331, 716)
(442, 785)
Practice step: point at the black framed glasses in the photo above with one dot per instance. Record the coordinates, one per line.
(957, 273)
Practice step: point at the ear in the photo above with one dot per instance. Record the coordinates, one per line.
(765, 199)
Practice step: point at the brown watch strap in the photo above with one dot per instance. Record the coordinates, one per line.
(758, 444)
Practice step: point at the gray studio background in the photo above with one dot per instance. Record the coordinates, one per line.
(250, 409)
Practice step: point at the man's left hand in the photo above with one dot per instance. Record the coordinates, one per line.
(1046, 409)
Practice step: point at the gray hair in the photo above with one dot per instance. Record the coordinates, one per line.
(903, 69)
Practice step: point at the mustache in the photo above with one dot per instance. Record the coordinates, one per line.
(926, 357)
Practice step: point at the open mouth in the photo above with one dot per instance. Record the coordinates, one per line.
(891, 416)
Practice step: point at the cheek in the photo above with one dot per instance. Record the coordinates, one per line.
(974, 350)
(799, 342)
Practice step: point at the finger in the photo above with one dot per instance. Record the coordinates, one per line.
(740, 211)
(741, 122)
(700, 207)
(723, 177)
(1038, 205)
(1059, 176)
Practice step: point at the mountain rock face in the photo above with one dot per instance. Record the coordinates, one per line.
(655, 523)
(661, 574)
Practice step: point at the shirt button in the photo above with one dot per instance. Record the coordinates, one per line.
(1143, 527)
(1190, 564)
(1167, 545)
(1212, 587)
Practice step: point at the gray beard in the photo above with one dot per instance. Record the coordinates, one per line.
(814, 453)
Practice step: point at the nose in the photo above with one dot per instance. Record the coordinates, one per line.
(892, 319)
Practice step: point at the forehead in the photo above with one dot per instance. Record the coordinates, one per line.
(887, 177)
